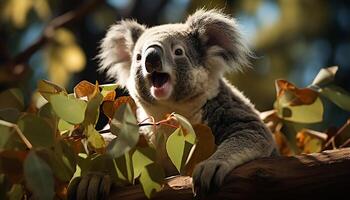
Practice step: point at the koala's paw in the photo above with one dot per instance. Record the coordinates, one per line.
(93, 186)
(209, 175)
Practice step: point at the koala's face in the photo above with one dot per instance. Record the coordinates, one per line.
(172, 62)
(166, 64)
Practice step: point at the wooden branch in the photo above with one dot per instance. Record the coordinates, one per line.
(323, 175)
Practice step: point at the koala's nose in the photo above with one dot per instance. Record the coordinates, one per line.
(153, 59)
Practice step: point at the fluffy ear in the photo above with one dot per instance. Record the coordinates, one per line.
(220, 38)
(116, 49)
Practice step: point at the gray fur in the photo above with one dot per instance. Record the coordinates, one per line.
(212, 45)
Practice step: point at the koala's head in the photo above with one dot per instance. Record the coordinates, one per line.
(173, 62)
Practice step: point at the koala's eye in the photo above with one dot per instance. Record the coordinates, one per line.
(179, 51)
(138, 57)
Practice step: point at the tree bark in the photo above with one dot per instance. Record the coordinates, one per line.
(323, 175)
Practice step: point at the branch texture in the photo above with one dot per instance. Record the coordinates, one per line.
(323, 175)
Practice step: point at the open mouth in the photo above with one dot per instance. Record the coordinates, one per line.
(158, 79)
(161, 87)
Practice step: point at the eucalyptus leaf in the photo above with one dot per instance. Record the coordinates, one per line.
(38, 175)
(151, 179)
(188, 131)
(37, 130)
(9, 138)
(9, 114)
(94, 138)
(59, 169)
(124, 167)
(325, 76)
(337, 95)
(93, 110)
(64, 126)
(312, 113)
(175, 146)
(46, 111)
(84, 88)
(47, 88)
(70, 110)
(12, 98)
(124, 125)
(141, 158)
(107, 88)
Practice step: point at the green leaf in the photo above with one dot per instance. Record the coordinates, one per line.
(124, 167)
(66, 154)
(151, 179)
(107, 88)
(64, 126)
(8, 136)
(16, 192)
(175, 146)
(141, 158)
(124, 125)
(337, 95)
(93, 110)
(325, 76)
(46, 111)
(94, 138)
(9, 114)
(37, 130)
(12, 98)
(190, 135)
(47, 88)
(70, 110)
(312, 113)
(39, 177)
(60, 170)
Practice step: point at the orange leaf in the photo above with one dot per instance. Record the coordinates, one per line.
(294, 96)
(110, 96)
(310, 141)
(85, 89)
(109, 107)
(205, 147)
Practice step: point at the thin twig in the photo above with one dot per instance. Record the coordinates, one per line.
(18, 131)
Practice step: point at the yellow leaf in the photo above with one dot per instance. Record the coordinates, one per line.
(58, 74)
(64, 36)
(16, 12)
(310, 141)
(72, 58)
(42, 9)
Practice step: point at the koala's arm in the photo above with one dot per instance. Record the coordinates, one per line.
(240, 134)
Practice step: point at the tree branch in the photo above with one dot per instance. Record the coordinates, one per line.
(58, 22)
(323, 175)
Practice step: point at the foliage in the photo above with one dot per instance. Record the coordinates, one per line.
(297, 110)
(44, 149)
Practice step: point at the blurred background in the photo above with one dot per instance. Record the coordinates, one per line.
(292, 40)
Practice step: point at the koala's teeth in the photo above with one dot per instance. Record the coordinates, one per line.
(159, 79)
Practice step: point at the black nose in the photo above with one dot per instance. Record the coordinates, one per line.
(153, 59)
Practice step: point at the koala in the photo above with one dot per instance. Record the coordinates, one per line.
(179, 68)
